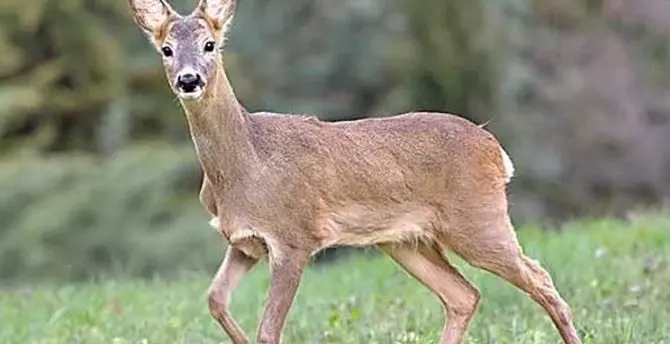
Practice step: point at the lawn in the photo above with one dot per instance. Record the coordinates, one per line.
(614, 274)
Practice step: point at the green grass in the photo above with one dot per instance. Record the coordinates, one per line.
(615, 275)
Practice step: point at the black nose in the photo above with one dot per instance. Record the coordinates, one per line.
(189, 82)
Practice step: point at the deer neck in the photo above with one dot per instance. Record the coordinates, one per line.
(218, 125)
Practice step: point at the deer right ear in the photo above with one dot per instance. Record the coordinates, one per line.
(150, 15)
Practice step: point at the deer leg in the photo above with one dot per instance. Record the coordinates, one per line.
(285, 278)
(530, 277)
(536, 281)
(234, 267)
(497, 251)
(459, 297)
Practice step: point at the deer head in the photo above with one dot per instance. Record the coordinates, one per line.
(188, 44)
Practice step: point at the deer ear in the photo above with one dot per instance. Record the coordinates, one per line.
(220, 12)
(150, 15)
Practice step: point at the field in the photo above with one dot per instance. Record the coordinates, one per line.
(614, 274)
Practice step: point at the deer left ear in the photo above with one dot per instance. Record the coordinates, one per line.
(219, 12)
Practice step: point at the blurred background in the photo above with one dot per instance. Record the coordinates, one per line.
(98, 175)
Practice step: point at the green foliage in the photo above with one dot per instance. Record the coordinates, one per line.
(613, 274)
(64, 64)
(454, 53)
(60, 83)
(81, 91)
(70, 217)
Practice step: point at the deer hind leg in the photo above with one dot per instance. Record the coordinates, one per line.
(496, 249)
(234, 267)
(459, 297)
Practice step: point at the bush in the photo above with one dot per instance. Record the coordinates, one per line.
(72, 217)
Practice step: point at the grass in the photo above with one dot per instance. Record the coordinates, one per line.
(614, 274)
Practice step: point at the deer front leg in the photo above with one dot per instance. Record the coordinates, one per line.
(234, 267)
(284, 281)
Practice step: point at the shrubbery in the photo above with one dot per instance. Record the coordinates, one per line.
(74, 216)
(575, 90)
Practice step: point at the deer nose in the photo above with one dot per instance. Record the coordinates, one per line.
(189, 82)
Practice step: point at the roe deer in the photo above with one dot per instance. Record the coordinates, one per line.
(283, 187)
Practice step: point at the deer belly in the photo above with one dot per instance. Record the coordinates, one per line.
(365, 225)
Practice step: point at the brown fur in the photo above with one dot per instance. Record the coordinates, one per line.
(284, 187)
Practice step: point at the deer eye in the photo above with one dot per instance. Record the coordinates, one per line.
(209, 46)
(167, 51)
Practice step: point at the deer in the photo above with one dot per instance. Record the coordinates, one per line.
(282, 187)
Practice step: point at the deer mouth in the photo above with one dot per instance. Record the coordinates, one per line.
(192, 94)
